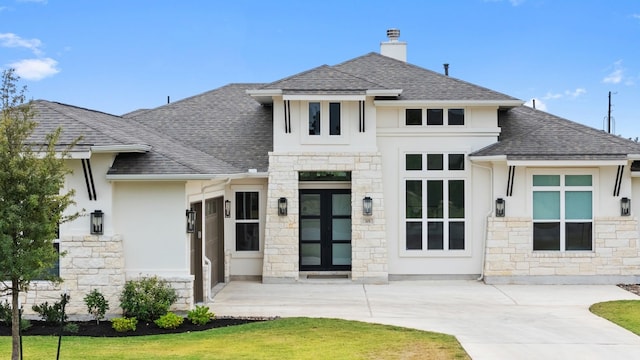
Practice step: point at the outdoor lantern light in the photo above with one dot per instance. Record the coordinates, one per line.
(282, 206)
(191, 221)
(97, 222)
(500, 207)
(227, 208)
(367, 206)
(625, 206)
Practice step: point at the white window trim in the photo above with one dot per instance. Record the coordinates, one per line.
(424, 175)
(562, 188)
(247, 254)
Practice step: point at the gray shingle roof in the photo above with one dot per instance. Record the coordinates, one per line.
(100, 129)
(417, 83)
(225, 123)
(324, 79)
(529, 134)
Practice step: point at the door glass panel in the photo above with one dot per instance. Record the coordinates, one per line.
(434, 162)
(341, 254)
(309, 254)
(310, 229)
(341, 204)
(310, 204)
(413, 161)
(341, 229)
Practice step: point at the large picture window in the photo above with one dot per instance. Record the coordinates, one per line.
(562, 212)
(435, 215)
(247, 221)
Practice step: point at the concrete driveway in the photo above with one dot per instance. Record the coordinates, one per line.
(490, 321)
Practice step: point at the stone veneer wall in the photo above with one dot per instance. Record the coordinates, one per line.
(91, 262)
(95, 262)
(368, 241)
(510, 257)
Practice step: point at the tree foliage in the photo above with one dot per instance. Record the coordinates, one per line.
(32, 205)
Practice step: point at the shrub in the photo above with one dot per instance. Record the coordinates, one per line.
(124, 324)
(147, 298)
(25, 324)
(71, 328)
(97, 305)
(169, 321)
(200, 315)
(53, 314)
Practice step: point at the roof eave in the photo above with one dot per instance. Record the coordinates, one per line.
(183, 177)
(130, 148)
(264, 96)
(449, 103)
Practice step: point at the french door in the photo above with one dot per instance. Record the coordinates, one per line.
(325, 230)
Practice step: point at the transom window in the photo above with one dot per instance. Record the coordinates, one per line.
(562, 212)
(434, 194)
(316, 118)
(434, 117)
(247, 221)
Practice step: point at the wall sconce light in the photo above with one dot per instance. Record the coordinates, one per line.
(367, 206)
(500, 206)
(191, 220)
(97, 222)
(227, 208)
(282, 206)
(625, 206)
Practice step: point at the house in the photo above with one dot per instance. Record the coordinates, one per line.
(370, 170)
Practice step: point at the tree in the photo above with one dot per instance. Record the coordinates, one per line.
(32, 205)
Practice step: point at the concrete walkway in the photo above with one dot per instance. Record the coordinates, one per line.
(491, 322)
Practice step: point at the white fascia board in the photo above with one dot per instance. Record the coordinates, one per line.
(444, 131)
(384, 92)
(319, 97)
(565, 163)
(177, 177)
(448, 103)
(264, 96)
(68, 155)
(133, 148)
(493, 158)
(633, 156)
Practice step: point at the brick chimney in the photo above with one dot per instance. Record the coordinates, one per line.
(394, 48)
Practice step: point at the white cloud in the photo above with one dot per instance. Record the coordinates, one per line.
(14, 41)
(615, 76)
(575, 93)
(552, 96)
(516, 2)
(34, 1)
(35, 69)
(637, 16)
(538, 104)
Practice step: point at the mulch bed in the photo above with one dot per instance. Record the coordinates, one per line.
(634, 288)
(104, 329)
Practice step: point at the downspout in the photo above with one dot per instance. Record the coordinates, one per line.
(484, 236)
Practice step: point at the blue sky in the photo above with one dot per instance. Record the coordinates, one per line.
(118, 56)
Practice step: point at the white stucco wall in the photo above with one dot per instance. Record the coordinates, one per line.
(151, 218)
(394, 140)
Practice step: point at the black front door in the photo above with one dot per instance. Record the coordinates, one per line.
(325, 230)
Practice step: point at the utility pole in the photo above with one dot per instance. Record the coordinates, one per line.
(609, 115)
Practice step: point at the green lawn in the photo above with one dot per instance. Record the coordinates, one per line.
(290, 338)
(625, 313)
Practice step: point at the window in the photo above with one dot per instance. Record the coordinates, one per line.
(334, 118)
(314, 118)
(434, 202)
(247, 221)
(55, 269)
(455, 116)
(413, 117)
(333, 123)
(562, 212)
(435, 117)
